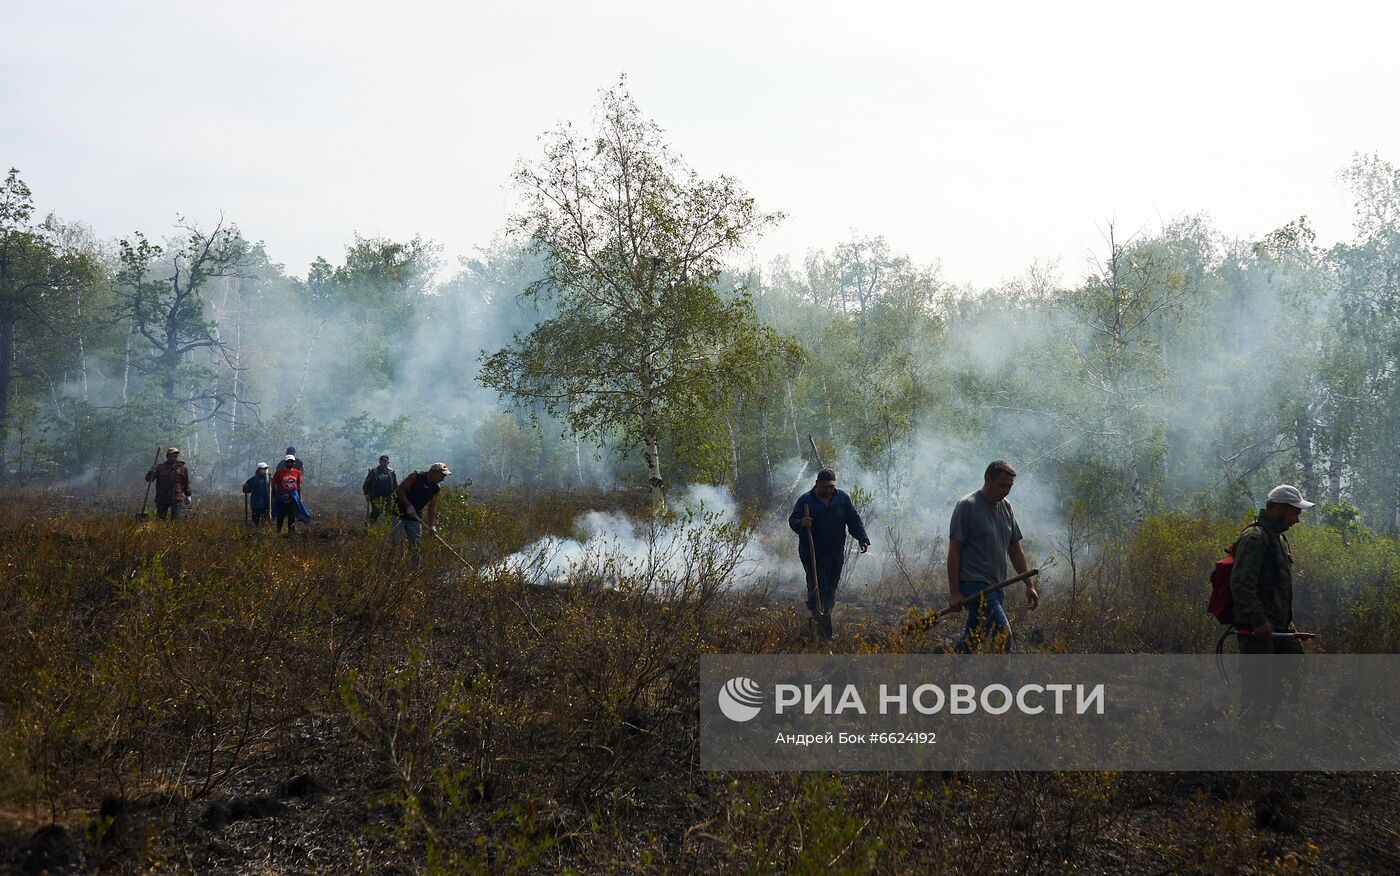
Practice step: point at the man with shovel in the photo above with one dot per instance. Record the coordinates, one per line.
(821, 519)
(416, 500)
(982, 535)
(172, 482)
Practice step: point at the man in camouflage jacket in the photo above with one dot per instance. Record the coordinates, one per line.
(1261, 585)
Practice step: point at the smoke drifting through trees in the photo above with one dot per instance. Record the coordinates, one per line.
(1185, 370)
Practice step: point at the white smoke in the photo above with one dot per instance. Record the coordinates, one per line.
(704, 537)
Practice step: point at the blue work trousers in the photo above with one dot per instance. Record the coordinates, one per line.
(987, 627)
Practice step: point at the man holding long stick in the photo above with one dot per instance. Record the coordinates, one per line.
(172, 480)
(417, 502)
(821, 518)
(981, 537)
(1262, 587)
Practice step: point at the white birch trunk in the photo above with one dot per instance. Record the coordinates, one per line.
(306, 368)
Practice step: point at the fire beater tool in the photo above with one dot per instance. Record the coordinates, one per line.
(928, 620)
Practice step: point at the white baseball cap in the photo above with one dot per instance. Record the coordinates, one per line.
(1287, 494)
(262, 465)
(289, 458)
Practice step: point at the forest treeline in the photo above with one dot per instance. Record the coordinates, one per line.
(1181, 369)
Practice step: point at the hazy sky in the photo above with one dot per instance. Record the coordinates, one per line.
(981, 135)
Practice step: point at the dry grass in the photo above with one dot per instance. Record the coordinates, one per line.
(196, 697)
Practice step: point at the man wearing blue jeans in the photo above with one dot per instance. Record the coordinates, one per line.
(982, 535)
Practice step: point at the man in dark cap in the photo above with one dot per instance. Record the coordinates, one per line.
(379, 488)
(172, 485)
(821, 518)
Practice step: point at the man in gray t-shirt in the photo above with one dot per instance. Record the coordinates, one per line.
(982, 535)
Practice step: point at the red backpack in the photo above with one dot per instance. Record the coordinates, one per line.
(1222, 601)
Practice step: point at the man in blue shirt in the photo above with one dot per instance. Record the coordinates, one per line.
(258, 487)
(821, 518)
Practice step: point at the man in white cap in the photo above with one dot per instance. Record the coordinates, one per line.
(1261, 584)
(416, 498)
(1262, 580)
(258, 488)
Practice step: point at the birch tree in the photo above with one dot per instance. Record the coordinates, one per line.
(1120, 363)
(633, 240)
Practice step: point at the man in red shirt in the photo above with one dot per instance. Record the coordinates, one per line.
(286, 495)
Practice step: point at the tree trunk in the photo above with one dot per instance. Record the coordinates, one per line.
(863, 355)
(1303, 431)
(733, 452)
(7, 370)
(237, 373)
(763, 449)
(1130, 468)
(306, 367)
(651, 453)
(82, 344)
(213, 468)
(169, 354)
(658, 486)
(830, 418)
(126, 361)
(792, 417)
(1334, 476)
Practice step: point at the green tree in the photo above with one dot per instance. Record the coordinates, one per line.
(360, 321)
(365, 437)
(870, 321)
(508, 449)
(1364, 368)
(633, 241)
(1118, 362)
(45, 270)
